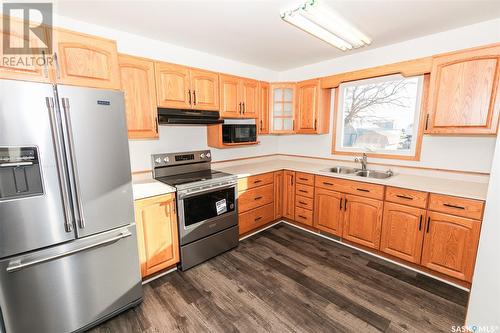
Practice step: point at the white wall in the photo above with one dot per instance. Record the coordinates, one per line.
(460, 153)
(484, 309)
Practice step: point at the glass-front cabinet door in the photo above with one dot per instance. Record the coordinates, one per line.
(282, 108)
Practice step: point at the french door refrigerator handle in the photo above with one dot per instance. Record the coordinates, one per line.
(68, 221)
(17, 265)
(71, 152)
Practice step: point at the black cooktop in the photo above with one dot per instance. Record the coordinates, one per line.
(192, 177)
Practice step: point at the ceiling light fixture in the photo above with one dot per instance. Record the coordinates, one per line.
(325, 24)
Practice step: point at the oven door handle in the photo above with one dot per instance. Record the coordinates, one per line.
(183, 195)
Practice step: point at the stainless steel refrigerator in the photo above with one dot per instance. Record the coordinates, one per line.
(68, 249)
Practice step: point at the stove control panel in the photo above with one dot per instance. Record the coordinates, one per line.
(172, 159)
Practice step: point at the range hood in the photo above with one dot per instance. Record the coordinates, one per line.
(181, 116)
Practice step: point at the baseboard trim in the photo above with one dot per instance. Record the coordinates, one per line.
(159, 275)
(377, 256)
(260, 230)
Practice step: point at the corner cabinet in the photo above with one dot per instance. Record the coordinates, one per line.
(84, 60)
(138, 85)
(464, 92)
(282, 104)
(288, 201)
(157, 233)
(313, 108)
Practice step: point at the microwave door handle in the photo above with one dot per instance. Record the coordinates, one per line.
(74, 173)
(68, 220)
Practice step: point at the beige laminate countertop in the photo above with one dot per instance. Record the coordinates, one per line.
(144, 186)
(435, 184)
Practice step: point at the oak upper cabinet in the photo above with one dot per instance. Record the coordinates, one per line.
(464, 92)
(362, 220)
(329, 211)
(263, 121)
(282, 106)
(450, 245)
(19, 68)
(172, 86)
(205, 89)
(239, 97)
(403, 231)
(84, 60)
(289, 194)
(250, 93)
(313, 108)
(157, 233)
(278, 194)
(138, 84)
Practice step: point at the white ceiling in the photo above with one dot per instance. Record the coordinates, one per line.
(252, 31)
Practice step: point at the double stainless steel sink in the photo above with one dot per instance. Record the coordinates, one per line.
(360, 172)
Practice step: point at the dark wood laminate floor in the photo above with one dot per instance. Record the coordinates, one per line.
(287, 280)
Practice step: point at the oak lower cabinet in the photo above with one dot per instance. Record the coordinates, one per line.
(304, 198)
(278, 194)
(362, 220)
(329, 211)
(84, 60)
(138, 86)
(289, 194)
(256, 201)
(450, 245)
(464, 92)
(157, 233)
(403, 231)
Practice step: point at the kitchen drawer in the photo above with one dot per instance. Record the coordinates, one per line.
(352, 187)
(304, 190)
(255, 197)
(304, 216)
(304, 178)
(254, 181)
(255, 218)
(406, 197)
(456, 206)
(304, 202)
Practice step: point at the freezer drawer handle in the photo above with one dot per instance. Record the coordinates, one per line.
(17, 265)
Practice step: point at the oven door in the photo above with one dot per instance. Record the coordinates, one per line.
(203, 213)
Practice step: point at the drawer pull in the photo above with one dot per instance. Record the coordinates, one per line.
(301, 178)
(302, 203)
(258, 218)
(327, 183)
(404, 197)
(257, 181)
(303, 191)
(362, 190)
(302, 217)
(453, 206)
(257, 198)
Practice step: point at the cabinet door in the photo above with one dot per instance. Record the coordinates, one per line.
(230, 100)
(263, 123)
(138, 84)
(289, 194)
(205, 89)
(157, 233)
(450, 245)
(173, 86)
(23, 67)
(363, 221)
(328, 211)
(87, 61)
(307, 106)
(463, 92)
(282, 108)
(278, 194)
(250, 98)
(403, 231)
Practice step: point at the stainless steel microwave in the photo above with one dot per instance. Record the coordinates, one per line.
(239, 133)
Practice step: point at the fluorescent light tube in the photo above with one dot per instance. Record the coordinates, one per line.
(315, 30)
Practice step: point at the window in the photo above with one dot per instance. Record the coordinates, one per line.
(379, 116)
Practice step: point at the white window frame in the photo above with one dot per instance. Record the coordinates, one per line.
(338, 124)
